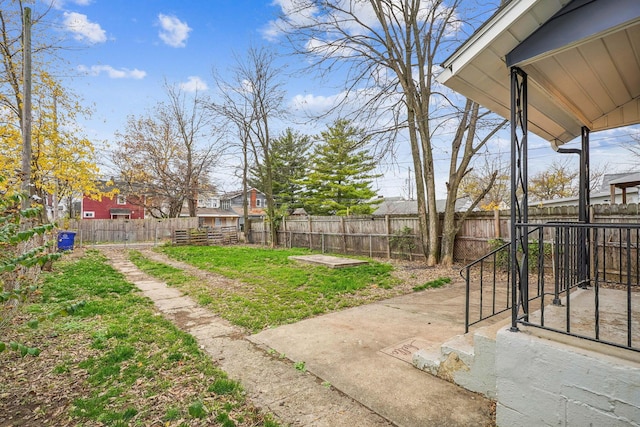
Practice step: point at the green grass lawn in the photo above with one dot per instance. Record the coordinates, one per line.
(112, 361)
(275, 290)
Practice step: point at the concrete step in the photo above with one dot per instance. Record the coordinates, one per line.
(467, 360)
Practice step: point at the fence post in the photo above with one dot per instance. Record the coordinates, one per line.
(311, 234)
(344, 235)
(370, 246)
(387, 220)
(322, 240)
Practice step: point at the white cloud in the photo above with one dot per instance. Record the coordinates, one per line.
(112, 73)
(194, 84)
(173, 31)
(296, 12)
(315, 103)
(83, 29)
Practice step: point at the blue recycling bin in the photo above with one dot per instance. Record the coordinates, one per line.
(66, 240)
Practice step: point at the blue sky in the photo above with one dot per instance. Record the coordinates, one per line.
(130, 48)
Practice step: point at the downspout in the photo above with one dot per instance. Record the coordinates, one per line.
(582, 178)
(583, 206)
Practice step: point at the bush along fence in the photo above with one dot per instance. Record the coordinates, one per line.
(397, 236)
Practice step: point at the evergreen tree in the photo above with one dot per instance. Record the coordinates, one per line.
(289, 157)
(340, 178)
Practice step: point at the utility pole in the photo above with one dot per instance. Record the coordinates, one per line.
(26, 109)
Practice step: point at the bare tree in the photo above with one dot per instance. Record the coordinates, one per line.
(391, 50)
(490, 169)
(236, 110)
(252, 99)
(168, 155)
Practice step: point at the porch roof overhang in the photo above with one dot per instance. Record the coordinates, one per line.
(582, 58)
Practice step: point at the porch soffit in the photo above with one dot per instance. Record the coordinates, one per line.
(582, 58)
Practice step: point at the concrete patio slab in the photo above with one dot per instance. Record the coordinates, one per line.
(328, 260)
(364, 352)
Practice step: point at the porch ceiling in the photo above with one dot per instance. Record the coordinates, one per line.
(582, 58)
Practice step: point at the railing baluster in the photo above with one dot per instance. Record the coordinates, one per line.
(628, 287)
(566, 277)
(481, 286)
(596, 292)
(508, 284)
(467, 287)
(493, 303)
(541, 249)
(620, 255)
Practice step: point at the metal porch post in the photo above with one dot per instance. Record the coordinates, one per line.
(519, 199)
(585, 272)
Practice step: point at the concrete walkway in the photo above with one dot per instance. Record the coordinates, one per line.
(364, 353)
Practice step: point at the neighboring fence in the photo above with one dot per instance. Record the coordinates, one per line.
(206, 236)
(93, 231)
(382, 236)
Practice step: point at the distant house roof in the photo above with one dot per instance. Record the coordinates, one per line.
(626, 180)
(597, 198)
(400, 206)
(255, 212)
(234, 194)
(215, 213)
(608, 177)
(397, 206)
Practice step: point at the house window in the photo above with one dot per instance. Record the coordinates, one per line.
(218, 222)
(89, 214)
(121, 200)
(215, 203)
(258, 203)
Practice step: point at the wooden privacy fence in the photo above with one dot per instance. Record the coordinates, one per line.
(206, 236)
(92, 231)
(369, 236)
(382, 236)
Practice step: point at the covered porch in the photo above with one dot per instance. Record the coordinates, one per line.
(560, 69)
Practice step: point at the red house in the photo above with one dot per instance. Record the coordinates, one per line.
(121, 206)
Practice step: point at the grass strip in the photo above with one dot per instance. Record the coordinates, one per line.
(437, 283)
(275, 290)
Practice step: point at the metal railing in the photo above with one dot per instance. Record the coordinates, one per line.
(580, 279)
(485, 273)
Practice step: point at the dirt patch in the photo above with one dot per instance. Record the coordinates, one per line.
(38, 391)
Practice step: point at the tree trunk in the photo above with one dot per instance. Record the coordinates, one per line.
(420, 193)
(449, 231)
